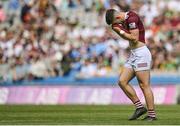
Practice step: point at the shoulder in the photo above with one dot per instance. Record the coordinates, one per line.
(132, 17)
(132, 20)
(132, 14)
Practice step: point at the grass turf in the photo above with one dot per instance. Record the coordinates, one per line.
(83, 114)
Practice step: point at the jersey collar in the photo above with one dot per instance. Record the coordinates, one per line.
(126, 15)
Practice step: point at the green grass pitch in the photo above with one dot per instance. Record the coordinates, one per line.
(83, 114)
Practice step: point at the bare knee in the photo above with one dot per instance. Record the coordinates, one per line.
(144, 86)
(122, 82)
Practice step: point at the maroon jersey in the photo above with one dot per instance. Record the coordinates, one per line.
(133, 21)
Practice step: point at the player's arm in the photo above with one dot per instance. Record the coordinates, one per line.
(132, 35)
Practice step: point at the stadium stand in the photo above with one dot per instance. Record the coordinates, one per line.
(63, 41)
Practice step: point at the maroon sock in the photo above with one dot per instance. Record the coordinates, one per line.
(151, 113)
(138, 104)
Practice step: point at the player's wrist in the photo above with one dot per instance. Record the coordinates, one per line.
(122, 32)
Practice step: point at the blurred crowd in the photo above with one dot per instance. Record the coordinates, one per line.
(49, 38)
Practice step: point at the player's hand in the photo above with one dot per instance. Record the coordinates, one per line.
(119, 29)
(116, 27)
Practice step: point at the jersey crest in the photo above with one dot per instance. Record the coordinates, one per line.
(132, 25)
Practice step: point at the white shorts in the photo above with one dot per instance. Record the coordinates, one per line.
(140, 59)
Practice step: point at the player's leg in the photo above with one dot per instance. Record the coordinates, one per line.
(143, 78)
(126, 75)
(142, 66)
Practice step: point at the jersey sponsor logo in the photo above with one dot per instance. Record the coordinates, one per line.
(132, 25)
(142, 65)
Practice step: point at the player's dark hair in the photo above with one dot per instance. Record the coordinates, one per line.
(110, 16)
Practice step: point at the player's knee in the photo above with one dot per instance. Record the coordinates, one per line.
(122, 82)
(144, 85)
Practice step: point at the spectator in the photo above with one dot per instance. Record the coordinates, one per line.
(25, 12)
(149, 11)
(2, 14)
(60, 37)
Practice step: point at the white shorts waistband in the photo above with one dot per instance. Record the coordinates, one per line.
(140, 48)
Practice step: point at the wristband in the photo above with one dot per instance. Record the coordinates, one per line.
(122, 32)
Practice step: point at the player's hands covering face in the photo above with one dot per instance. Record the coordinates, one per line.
(116, 27)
